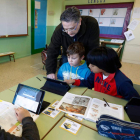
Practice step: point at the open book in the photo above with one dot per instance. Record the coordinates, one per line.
(88, 108)
(8, 120)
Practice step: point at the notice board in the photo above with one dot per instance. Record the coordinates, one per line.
(13, 18)
(113, 19)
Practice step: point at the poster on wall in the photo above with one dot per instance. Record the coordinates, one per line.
(104, 21)
(129, 35)
(116, 22)
(106, 12)
(94, 12)
(36, 18)
(119, 12)
(84, 12)
(107, 17)
(113, 18)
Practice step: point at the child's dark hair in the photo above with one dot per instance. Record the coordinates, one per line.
(76, 47)
(104, 58)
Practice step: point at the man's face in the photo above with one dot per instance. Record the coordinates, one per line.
(71, 28)
(74, 60)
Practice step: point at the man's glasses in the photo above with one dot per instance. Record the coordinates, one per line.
(70, 30)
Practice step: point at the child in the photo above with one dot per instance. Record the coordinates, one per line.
(106, 76)
(30, 131)
(76, 67)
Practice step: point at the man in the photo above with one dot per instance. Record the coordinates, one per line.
(29, 132)
(73, 27)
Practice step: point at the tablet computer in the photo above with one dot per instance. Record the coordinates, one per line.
(56, 86)
(57, 81)
(29, 98)
(132, 109)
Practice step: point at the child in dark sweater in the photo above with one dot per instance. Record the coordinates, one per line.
(106, 77)
(29, 132)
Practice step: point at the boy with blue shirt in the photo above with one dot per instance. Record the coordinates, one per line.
(76, 67)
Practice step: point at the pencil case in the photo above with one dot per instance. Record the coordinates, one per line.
(114, 128)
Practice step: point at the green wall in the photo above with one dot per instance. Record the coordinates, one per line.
(49, 32)
(20, 45)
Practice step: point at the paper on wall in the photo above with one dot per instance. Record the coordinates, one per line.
(133, 24)
(136, 12)
(37, 5)
(129, 35)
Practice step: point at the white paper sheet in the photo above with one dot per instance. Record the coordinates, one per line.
(104, 21)
(117, 41)
(129, 35)
(116, 22)
(133, 24)
(119, 12)
(136, 12)
(94, 12)
(106, 12)
(37, 5)
(84, 12)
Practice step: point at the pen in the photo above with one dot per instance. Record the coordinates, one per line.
(106, 102)
(38, 78)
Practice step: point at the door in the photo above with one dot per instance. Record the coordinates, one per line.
(38, 25)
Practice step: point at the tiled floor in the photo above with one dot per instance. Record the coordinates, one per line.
(12, 73)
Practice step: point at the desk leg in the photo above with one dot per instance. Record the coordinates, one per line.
(13, 57)
(10, 57)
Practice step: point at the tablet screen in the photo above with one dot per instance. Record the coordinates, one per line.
(29, 98)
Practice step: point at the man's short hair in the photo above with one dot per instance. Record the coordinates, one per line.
(70, 14)
(104, 58)
(76, 47)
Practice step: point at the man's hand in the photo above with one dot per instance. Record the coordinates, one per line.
(51, 76)
(71, 81)
(21, 113)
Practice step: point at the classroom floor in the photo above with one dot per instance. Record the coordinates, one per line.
(12, 73)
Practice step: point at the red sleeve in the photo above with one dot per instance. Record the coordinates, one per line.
(77, 82)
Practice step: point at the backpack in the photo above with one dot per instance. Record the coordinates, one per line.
(44, 55)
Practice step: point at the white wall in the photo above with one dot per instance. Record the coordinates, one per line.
(131, 53)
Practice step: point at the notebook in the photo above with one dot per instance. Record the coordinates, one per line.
(56, 86)
(30, 98)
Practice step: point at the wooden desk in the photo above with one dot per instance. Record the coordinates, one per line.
(10, 54)
(110, 99)
(84, 133)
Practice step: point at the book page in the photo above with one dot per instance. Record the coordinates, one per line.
(8, 120)
(74, 104)
(99, 107)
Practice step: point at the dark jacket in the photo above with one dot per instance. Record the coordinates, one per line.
(30, 131)
(116, 84)
(88, 35)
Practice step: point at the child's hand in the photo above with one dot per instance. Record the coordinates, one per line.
(71, 81)
(21, 113)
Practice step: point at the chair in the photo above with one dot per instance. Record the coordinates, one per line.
(118, 50)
